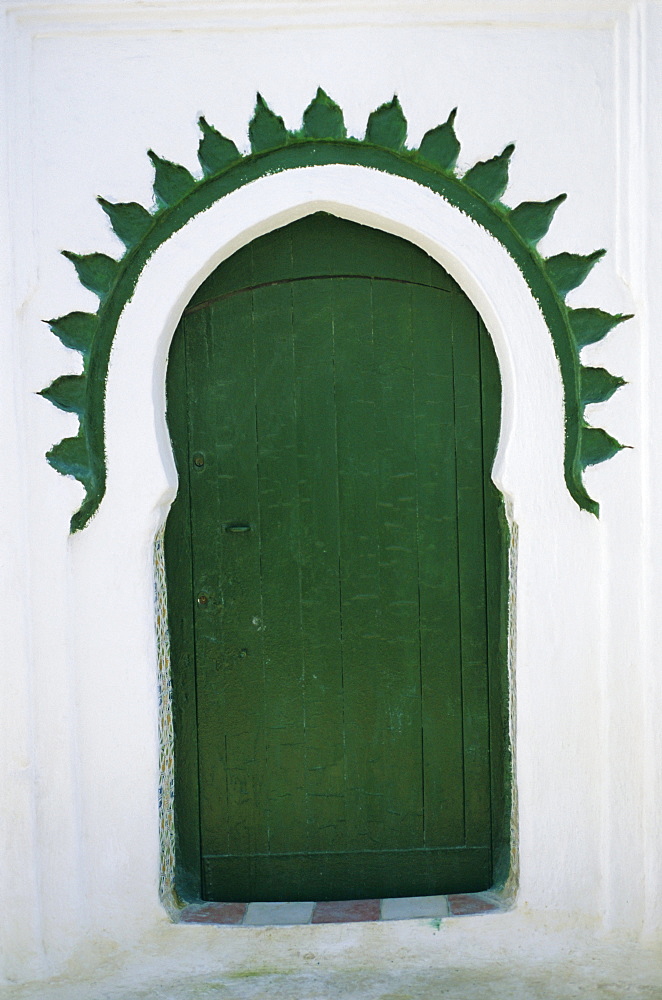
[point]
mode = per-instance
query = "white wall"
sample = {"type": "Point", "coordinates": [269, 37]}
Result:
{"type": "Point", "coordinates": [87, 89]}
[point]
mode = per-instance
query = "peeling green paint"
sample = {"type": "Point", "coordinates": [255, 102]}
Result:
{"type": "Point", "coordinates": [179, 196]}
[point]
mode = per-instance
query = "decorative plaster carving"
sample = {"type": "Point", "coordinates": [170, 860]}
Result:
{"type": "Point", "coordinates": [322, 139]}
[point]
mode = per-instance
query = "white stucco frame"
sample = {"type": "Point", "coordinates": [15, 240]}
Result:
{"type": "Point", "coordinates": [475, 259]}
{"type": "Point", "coordinates": [528, 470]}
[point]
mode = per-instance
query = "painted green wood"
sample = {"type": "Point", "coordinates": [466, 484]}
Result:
{"type": "Point", "coordinates": [179, 566]}
{"type": "Point", "coordinates": [398, 648]}
{"type": "Point", "coordinates": [337, 496]}
{"type": "Point", "coordinates": [321, 621]}
{"type": "Point", "coordinates": [438, 569]}
{"type": "Point", "coordinates": [280, 557]}
{"type": "Point", "coordinates": [227, 572]}
{"type": "Point", "coordinates": [471, 562]}
{"type": "Point", "coordinates": [378, 727]}
{"type": "Point", "coordinates": [348, 874]}
{"type": "Point", "coordinates": [497, 596]}
{"type": "Point", "coordinates": [295, 251]}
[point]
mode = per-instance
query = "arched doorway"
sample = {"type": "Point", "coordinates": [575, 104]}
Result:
{"type": "Point", "coordinates": [335, 562]}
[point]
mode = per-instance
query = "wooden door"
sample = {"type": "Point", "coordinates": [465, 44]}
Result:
{"type": "Point", "coordinates": [333, 401]}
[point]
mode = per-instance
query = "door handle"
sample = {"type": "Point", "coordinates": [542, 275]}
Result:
{"type": "Point", "coordinates": [237, 529]}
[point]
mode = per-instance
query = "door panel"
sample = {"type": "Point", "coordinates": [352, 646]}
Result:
{"type": "Point", "coordinates": [333, 440]}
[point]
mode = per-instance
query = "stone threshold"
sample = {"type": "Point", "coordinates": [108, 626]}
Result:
{"type": "Point", "coordinates": [342, 911]}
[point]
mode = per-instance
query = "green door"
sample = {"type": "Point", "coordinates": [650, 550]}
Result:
{"type": "Point", "coordinates": [334, 558]}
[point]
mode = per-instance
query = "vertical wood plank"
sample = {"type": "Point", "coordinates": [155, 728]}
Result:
{"type": "Point", "coordinates": [441, 653]}
{"type": "Point", "coordinates": [356, 402]}
{"type": "Point", "coordinates": [320, 584]}
{"type": "Point", "coordinates": [271, 256]}
{"type": "Point", "coordinates": [227, 569]}
{"type": "Point", "coordinates": [280, 620]}
{"type": "Point", "coordinates": [396, 653]}
{"type": "Point", "coordinates": [471, 540]}
{"type": "Point", "coordinates": [496, 584]}
{"type": "Point", "coordinates": [178, 556]}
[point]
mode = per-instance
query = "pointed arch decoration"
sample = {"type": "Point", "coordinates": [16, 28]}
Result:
{"type": "Point", "coordinates": [322, 139]}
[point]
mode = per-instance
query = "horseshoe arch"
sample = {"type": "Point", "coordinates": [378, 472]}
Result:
{"type": "Point", "coordinates": [322, 141]}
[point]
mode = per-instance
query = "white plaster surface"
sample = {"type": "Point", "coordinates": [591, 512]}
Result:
{"type": "Point", "coordinates": [542, 982]}
{"type": "Point", "coordinates": [453, 960]}
{"type": "Point", "coordinates": [86, 89]}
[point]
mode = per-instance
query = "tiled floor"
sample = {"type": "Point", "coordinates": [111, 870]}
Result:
{"type": "Point", "coordinates": [341, 911]}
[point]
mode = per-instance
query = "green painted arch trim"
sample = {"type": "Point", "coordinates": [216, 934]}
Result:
{"type": "Point", "coordinates": [322, 140]}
